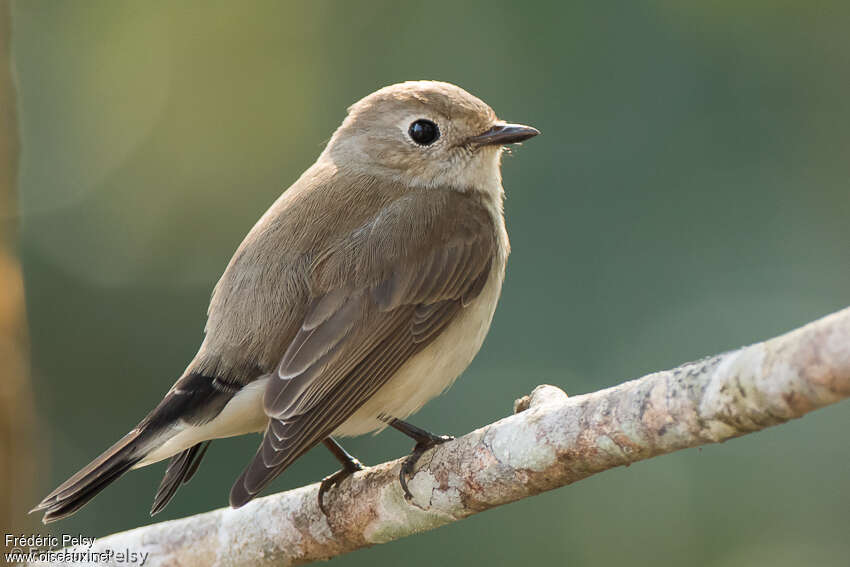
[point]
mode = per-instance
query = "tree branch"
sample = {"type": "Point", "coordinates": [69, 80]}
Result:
{"type": "Point", "coordinates": [552, 441]}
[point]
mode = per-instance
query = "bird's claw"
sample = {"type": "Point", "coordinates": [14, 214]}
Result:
{"type": "Point", "coordinates": [332, 480]}
{"type": "Point", "coordinates": [411, 460]}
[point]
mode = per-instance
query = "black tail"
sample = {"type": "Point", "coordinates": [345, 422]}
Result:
{"type": "Point", "coordinates": [180, 469]}
{"type": "Point", "coordinates": [195, 399]}
{"type": "Point", "coordinates": [75, 492]}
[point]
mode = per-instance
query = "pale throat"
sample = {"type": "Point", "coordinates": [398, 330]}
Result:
{"type": "Point", "coordinates": [479, 172]}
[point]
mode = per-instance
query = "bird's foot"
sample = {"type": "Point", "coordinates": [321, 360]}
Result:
{"type": "Point", "coordinates": [350, 465]}
{"type": "Point", "coordinates": [421, 446]}
{"type": "Point", "coordinates": [424, 441]}
{"type": "Point", "coordinates": [348, 469]}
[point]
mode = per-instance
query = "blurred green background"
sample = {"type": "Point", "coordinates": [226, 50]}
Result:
{"type": "Point", "coordinates": [690, 193]}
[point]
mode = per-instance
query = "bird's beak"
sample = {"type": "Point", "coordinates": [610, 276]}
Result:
{"type": "Point", "coordinates": [503, 134]}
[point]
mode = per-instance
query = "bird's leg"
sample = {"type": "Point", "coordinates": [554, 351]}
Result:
{"type": "Point", "coordinates": [350, 465]}
{"type": "Point", "coordinates": [424, 441]}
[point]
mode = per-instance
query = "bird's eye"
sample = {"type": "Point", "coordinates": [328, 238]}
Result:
{"type": "Point", "coordinates": [424, 132]}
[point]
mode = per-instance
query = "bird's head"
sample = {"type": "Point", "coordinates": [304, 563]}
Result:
{"type": "Point", "coordinates": [424, 134]}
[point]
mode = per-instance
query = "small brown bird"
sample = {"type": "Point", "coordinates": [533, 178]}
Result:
{"type": "Point", "coordinates": [362, 293]}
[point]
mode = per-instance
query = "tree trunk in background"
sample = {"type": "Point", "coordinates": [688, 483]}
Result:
{"type": "Point", "coordinates": [16, 418]}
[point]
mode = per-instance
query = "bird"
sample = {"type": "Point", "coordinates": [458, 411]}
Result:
{"type": "Point", "coordinates": [363, 292]}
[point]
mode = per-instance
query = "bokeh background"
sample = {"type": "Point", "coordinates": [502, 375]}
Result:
{"type": "Point", "coordinates": [690, 193]}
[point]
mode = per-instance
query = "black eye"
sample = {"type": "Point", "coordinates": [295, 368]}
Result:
{"type": "Point", "coordinates": [424, 132]}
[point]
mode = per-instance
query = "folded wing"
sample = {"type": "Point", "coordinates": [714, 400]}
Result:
{"type": "Point", "coordinates": [385, 293]}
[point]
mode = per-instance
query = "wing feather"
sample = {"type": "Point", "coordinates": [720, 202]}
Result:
{"type": "Point", "coordinates": [357, 333]}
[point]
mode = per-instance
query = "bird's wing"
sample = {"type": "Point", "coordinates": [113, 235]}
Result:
{"type": "Point", "coordinates": [387, 292]}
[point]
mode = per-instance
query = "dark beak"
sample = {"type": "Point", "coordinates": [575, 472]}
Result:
{"type": "Point", "coordinates": [501, 134]}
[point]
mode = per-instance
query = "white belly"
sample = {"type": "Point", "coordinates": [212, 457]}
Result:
{"type": "Point", "coordinates": [435, 368]}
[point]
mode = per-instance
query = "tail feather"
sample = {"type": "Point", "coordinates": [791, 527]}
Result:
{"type": "Point", "coordinates": [64, 508]}
{"type": "Point", "coordinates": [180, 469]}
{"type": "Point", "coordinates": [195, 400]}
{"type": "Point", "coordinates": [75, 492]}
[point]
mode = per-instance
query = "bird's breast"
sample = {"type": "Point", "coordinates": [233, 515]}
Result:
{"type": "Point", "coordinates": [428, 373]}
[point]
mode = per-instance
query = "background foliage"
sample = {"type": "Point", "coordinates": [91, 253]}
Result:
{"type": "Point", "coordinates": [689, 194]}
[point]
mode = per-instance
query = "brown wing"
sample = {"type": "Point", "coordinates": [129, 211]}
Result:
{"type": "Point", "coordinates": [397, 298]}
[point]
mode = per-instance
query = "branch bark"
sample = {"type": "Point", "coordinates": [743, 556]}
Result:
{"type": "Point", "coordinates": [550, 442]}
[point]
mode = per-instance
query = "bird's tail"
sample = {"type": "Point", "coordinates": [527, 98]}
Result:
{"type": "Point", "coordinates": [194, 400]}
{"type": "Point", "coordinates": [75, 492]}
